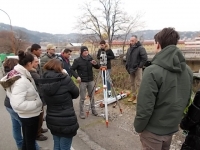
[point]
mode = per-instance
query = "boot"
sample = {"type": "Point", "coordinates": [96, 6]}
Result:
{"type": "Point", "coordinates": [94, 112]}
{"type": "Point", "coordinates": [133, 98]}
{"type": "Point", "coordinates": [82, 114]}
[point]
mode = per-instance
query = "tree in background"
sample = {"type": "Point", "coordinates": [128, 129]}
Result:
{"type": "Point", "coordinates": [105, 19]}
{"type": "Point", "coordinates": [8, 42]}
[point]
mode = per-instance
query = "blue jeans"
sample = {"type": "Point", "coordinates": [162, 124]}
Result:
{"type": "Point", "coordinates": [17, 128]}
{"type": "Point", "coordinates": [108, 79]}
{"type": "Point", "coordinates": [62, 143]}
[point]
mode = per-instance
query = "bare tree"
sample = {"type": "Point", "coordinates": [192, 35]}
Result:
{"type": "Point", "coordinates": [106, 21]}
{"type": "Point", "coordinates": [8, 42]}
{"type": "Point", "coordinates": [132, 23]}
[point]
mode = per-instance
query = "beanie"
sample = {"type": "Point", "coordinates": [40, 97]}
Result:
{"type": "Point", "coordinates": [83, 48]}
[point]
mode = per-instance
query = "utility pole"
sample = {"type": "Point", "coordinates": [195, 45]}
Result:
{"type": "Point", "coordinates": [12, 39]}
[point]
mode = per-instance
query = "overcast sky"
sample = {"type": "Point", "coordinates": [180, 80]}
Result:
{"type": "Point", "coordinates": [59, 16]}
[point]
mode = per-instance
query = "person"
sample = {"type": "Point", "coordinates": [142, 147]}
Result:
{"type": "Point", "coordinates": [58, 91]}
{"type": "Point", "coordinates": [64, 57]}
{"type": "Point", "coordinates": [83, 65]}
{"type": "Point", "coordinates": [191, 123]}
{"type": "Point", "coordinates": [24, 99]}
{"type": "Point", "coordinates": [110, 55]}
{"type": "Point", "coordinates": [49, 55]}
{"type": "Point", "coordinates": [136, 57]}
{"type": "Point", "coordinates": [164, 93]}
{"type": "Point", "coordinates": [36, 73]}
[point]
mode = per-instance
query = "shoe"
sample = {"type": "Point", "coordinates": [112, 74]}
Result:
{"type": "Point", "coordinates": [132, 99]}
{"type": "Point", "coordinates": [94, 112]}
{"type": "Point", "coordinates": [44, 130]}
{"type": "Point", "coordinates": [41, 138]}
{"type": "Point", "coordinates": [82, 115]}
{"type": "Point", "coordinates": [135, 101]}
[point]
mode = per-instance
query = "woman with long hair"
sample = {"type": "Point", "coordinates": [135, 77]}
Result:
{"type": "Point", "coordinates": [24, 99]}
{"type": "Point", "coordinates": [58, 92]}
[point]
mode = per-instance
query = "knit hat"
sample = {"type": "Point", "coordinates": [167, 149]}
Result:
{"type": "Point", "coordinates": [83, 48]}
{"type": "Point", "coordinates": [103, 42]}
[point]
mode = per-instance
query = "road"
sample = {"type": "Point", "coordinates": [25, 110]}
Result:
{"type": "Point", "coordinates": [6, 140]}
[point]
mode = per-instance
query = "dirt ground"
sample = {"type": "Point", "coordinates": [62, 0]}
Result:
{"type": "Point", "coordinates": [120, 135]}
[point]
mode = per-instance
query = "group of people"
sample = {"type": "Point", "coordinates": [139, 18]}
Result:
{"type": "Point", "coordinates": [161, 93]}
{"type": "Point", "coordinates": [33, 81]}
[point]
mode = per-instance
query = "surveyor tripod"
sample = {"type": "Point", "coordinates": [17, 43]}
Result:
{"type": "Point", "coordinates": [105, 78]}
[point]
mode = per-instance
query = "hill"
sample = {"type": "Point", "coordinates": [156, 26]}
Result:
{"type": "Point", "coordinates": [37, 37]}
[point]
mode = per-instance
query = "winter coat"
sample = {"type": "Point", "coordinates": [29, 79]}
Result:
{"type": "Point", "coordinates": [66, 65]}
{"type": "Point", "coordinates": [83, 67]}
{"type": "Point", "coordinates": [110, 55]}
{"type": "Point", "coordinates": [191, 122]}
{"type": "Point", "coordinates": [44, 59]}
{"type": "Point", "coordinates": [164, 93]}
{"type": "Point", "coordinates": [136, 57]}
{"type": "Point", "coordinates": [21, 90]}
{"type": "Point", "coordinates": [36, 76]}
{"type": "Point", "coordinates": [58, 91]}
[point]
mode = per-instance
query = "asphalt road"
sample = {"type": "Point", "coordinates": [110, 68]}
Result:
{"type": "Point", "coordinates": [6, 140]}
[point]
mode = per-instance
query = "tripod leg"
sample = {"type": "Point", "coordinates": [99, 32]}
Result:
{"type": "Point", "coordinates": [115, 95]}
{"type": "Point", "coordinates": [105, 94]}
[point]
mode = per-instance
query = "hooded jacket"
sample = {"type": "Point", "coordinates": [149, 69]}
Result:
{"type": "Point", "coordinates": [21, 90]}
{"type": "Point", "coordinates": [136, 57]}
{"type": "Point", "coordinates": [58, 91]}
{"type": "Point", "coordinates": [164, 93]}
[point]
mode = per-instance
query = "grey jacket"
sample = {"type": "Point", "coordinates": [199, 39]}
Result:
{"type": "Point", "coordinates": [136, 57]}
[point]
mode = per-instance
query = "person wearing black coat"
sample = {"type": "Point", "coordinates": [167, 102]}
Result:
{"type": "Point", "coordinates": [84, 65]}
{"type": "Point", "coordinates": [58, 92]}
{"type": "Point", "coordinates": [191, 123]}
{"type": "Point", "coordinates": [110, 55]}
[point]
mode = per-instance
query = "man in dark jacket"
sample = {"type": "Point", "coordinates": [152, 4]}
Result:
{"type": "Point", "coordinates": [110, 55]}
{"type": "Point", "coordinates": [164, 93]}
{"type": "Point", "coordinates": [136, 57]}
{"type": "Point", "coordinates": [83, 65]}
{"type": "Point", "coordinates": [64, 57]}
{"type": "Point", "coordinates": [35, 75]}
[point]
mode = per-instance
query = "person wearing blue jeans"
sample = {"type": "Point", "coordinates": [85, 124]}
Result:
{"type": "Point", "coordinates": [104, 47]}
{"type": "Point", "coordinates": [62, 143]}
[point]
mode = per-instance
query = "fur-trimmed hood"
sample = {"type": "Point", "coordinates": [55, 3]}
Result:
{"type": "Point", "coordinates": [6, 83]}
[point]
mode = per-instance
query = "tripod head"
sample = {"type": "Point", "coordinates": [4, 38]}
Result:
{"type": "Point", "coordinates": [103, 58]}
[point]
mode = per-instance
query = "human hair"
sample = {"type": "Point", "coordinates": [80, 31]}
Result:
{"type": "Point", "coordinates": [134, 36]}
{"type": "Point", "coordinates": [25, 58]}
{"type": "Point", "coordinates": [35, 47]}
{"type": "Point", "coordinates": [9, 64]}
{"type": "Point", "coordinates": [54, 64]}
{"type": "Point", "coordinates": [155, 38]}
{"type": "Point", "coordinates": [67, 50]}
{"type": "Point", "coordinates": [167, 36]}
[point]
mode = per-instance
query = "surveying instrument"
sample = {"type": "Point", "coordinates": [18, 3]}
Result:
{"type": "Point", "coordinates": [105, 78]}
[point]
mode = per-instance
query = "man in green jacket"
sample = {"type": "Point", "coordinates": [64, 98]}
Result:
{"type": "Point", "coordinates": [164, 93]}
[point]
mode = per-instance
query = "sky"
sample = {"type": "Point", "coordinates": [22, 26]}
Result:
{"type": "Point", "coordinates": [60, 16]}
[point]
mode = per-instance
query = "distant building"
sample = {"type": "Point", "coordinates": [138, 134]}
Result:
{"type": "Point", "coordinates": [193, 45]}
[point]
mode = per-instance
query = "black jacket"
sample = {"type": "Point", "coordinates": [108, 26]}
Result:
{"type": "Point", "coordinates": [191, 122]}
{"type": "Point", "coordinates": [110, 55]}
{"type": "Point", "coordinates": [84, 68]}
{"type": "Point", "coordinates": [66, 65]}
{"type": "Point", "coordinates": [136, 57]}
{"type": "Point", "coordinates": [58, 91]}
{"type": "Point", "coordinates": [7, 100]}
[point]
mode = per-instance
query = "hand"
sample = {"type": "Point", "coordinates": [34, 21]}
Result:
{"type": "Point", "coordinates": [78, 80]}
{"type": "Point", "coordinates": [93, 62]}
